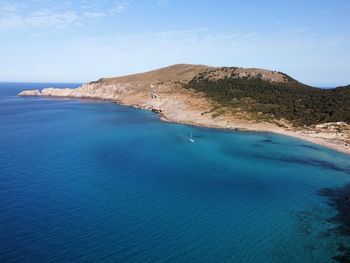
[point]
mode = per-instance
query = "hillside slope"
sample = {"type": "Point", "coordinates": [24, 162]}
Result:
{"type": "Point", "coordinates": [289, 99]}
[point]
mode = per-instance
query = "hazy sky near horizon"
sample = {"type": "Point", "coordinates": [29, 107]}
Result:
{"type": "Point", "coordinates": [79, 41]}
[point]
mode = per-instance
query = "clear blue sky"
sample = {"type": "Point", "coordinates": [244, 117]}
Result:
{"type": "Point", "coordinates": [78, 41]}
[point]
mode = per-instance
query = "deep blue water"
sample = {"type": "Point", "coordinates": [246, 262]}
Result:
{"type": "Point", "coordinates": [89, 181]}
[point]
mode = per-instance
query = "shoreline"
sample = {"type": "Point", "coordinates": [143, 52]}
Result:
{"type": "Point", "coordinates": [284, 133]}
{"type": "Point", "coordinates": [301, 135]}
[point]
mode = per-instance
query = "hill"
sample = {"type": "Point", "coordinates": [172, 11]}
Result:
{"type": "Point", "coordinates": [229, 97]}
{"type": "Point", "coordinates": [264, 93]}
{"type": "Point", "coordinates": [288, 99]}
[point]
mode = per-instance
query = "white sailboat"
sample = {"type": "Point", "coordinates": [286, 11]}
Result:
{"type": "Point", "coordinates": [191, 138]}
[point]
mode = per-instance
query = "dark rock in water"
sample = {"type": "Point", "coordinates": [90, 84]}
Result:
{"type": "Point", "coordinates": [342, 247]}
{"type": "Point", "coordinates": [309, 161]}
{"type": "Point", "coordinates": [342, 258]}
{"type": "Point", "coordinates": [310, 146]}
{"type": "Point", "coordinates": [267, 140]}
{"type": "Point", "coordinates": [339, 199]}
{"type": "Point", "coordinates": [156, 111]}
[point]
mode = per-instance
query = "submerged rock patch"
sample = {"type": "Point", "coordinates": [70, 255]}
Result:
{"type": "Point", "coordinates": [339, 199]}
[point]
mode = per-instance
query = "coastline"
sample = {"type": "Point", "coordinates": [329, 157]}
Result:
{"type": "Point", "coordinates": [310, 135]}
{"type": "Point", "coordinates": [318, 141]}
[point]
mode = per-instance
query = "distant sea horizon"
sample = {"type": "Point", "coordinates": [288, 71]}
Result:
{"type": "Point", "coordinates": [93, 181]}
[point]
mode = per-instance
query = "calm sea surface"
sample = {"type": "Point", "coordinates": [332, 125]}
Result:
{"type": "Point", "coordinates": [89, 181]}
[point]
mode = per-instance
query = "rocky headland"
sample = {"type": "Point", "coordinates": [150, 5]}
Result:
{"type": "Point", "coordinates": [172, 93]}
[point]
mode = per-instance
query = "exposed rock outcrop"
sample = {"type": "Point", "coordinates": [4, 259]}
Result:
{"type": "Point", "coordinates": [34, 92]}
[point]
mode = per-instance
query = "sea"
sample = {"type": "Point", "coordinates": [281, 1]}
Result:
{"type": "Point", "coordinates": [93, 181]}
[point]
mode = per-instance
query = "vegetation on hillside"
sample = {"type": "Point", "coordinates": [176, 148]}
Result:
{"type": "Point", "coordinates": [291, 100]}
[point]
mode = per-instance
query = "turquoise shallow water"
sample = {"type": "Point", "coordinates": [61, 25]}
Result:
{"type": "Point", "coordinates": [85, 181]}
